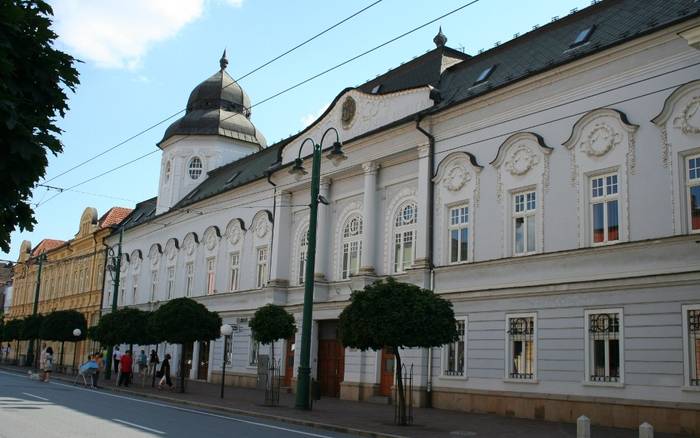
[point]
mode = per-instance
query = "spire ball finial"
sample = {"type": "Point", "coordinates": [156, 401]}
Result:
{"type": "Point", "coordinates": [223, 62]}
{"type": "Point", "coordinates": [440, 39]}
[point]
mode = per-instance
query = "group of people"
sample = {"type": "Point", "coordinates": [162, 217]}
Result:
{"type": "Point", "coordinates": [124, 364]}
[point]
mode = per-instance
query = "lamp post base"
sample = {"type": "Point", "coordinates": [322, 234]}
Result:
{"type": "Point", "coordinates": [303, 387]}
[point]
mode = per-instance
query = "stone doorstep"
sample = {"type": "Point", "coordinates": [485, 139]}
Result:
{"type": "Point", "coordinates": [256, 414]}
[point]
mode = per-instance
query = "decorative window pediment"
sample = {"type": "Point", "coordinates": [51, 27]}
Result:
{"type": "Point", "coordinates": [135, 260]}
{"type": "Point", "coordinates": [171, 248]}
{"type": "Point", "coordinates": [234, 231]}
{"type": "Point", "coordinates": [189, 244]}
{"type": "Point", "coordinates": [211, 238]}
{"type": "Point", "coordinates": [154, 254]}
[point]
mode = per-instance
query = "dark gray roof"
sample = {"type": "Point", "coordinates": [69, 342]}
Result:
{"type": "Point", "coordinates": [549, 46]}
{"type": "Point", "coordinates": [143, 212]}
{"type": "Point", "coordinates": [217, 106]}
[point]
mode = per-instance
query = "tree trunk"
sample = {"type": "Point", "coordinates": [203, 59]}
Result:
{"type": "Point", "coordinates": [400, 388]}
{"type": "Point", "coordinates": [182, 368]}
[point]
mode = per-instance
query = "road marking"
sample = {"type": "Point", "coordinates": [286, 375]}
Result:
{"type": "Point", "coordinates": [35, 396]}
{"type": "Point", "coordinates": [193, 411]}
{"type": "Point", "coordinates": [139, 426]}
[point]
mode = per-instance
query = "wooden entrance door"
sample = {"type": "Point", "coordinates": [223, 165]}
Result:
{"type": "Point", "coordinates": [387, 370]}
{"type": "Point", "coordinates": [289, 362]}
{"type": "Point", "coordinates": [331, 359]}
{"type": "Point", "coordinates": [203, 360]}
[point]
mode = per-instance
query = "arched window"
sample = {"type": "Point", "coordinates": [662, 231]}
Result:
{"type": "Point", "coordinates": [303, 251]}
{"type": "Point", "coordinates": [352, 246]}
{"type": "Point", "coordinates": [195, 168]}
{"type": "Point", "coordinates": [404, 236]}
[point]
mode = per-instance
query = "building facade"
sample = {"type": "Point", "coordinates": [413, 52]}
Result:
{"type": "Point", "coordinates": [548, 187]}
{"type": "Point", "coordinates": [71, 277]}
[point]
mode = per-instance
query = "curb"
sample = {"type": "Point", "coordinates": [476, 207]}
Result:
{"type": "Point", "coordinates": [256, 414]}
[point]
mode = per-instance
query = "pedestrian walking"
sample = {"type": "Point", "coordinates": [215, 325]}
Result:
{"type": "Point", "coordinates": [153, 361]}
{"type": "Point", "coordinates": [100, 366]}
{"type": "Point", "coordinates": [143, 366]}
{"type": "Point", "coordinates": [116, 357]}
{"type": "Point", "coordinates": [164, 373]}
{"type": "Point", "coordinates": [48, 363]}
{"type": "Point", "coordinates": [125, 365]}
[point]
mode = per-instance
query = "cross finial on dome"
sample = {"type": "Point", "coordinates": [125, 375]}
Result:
{"type": "Point", "coordinates": [440, 39]}
{"type": "Point", "coordinates": [223, 62]}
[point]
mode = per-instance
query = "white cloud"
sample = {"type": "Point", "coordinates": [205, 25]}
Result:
{"type": "Point", "coordinates": [118, 34]}
{"type": "Point", "coordinates": [309, 118]}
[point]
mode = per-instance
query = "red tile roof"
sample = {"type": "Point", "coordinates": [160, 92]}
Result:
{"type": "Point", "coordinates": [46, 245]}
{"type": "Point", "coordinates": [114, 216]}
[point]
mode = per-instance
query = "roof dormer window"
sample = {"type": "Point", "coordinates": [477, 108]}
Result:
{"type": "Point", "coordinates": [583, 36]}
{"type": "Point", "coordinates": [376, 89]}
{"type": "Point", "coordinates": [485, 74]}
{"type": "Point", "coordinates": [195, 168]}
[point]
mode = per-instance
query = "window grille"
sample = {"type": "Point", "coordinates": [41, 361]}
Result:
{"type": "Point", "coordinates": [694, 340]}
{"type": "Point", "coordinates": [521, 336]}
{"type": "Point", "coordinates": [454, 355]}
{"type": "Point", "coordinates": [604, 333]}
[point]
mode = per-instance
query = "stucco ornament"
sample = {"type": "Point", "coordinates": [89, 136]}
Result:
{"type": "Point", "coordinates": [521, 160]}
{"type": "Point", "coordinates": [210, 240]}
{"type": "Point", "coordinates": [689, 120]}
{"type": "Point", "coordinates": [261, 228]}
{"type": "Point", "coordinates": [170, 250]}
{"type": "Point", "coordinates": [600, 140]}
{"type": "Point", "coordinates": [348, 111]}
{"type": "Point", "coordinates": [234, 233]}
{"type": "Point", "coordinates": [135, 263]}
{"type": "Point", "coordinates": [154, 256]}
{"type": "Point", "coordinates": [189, 245]}
{"type": "Point", "coordinates": [456, 177]}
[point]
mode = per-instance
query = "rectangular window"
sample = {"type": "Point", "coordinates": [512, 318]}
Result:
{"type": "Point", "coordinates": [303, 247]}
{"type": "Point", "coordinates": [211, 275]}
{"type": "Point", "coordinates": [691, 347]}
{"type": "Point", "coordinates": [605, 208]}
{"type": "Point", "coordinates": [521, 347]}
{"type": "Point", "coordinates": [154, 285]}
{"type": "Point", "coordinates": [253, 351]}
{"type": "Point", "coordinates": [228, 345]}
{"type": "Point", "coordinates": [604, 344]}
{"type": "Point", "coordinates": [235, 269]}
{"type": "Point", "coordinates": [455, 353]}
{"type": "Point", "coordinates": [189, 278]}
{"type": "Point", "coordinates": [134, 289]}
{"type": "Point", "coordinates": [171, 282]}
{"type": "Point", "coordinates": [458, 229]}
{"type": "Point", "coordinates": [122, 292]}
{"type": "Point", "coordinates": [403, 251]}
{"type": "Point", "coordinates": [693, 183]}
{"type": "Point", "coordinates": [524, 210]}
{"type": "Point", "coordinates": [261, 273]}
{"type": "Point", "coordinates": [352, 252]}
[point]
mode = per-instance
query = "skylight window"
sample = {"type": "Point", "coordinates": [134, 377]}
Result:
{"type": "Point", "coordinates": [583, 36]}
{"type": "Point", "coordinates": [233, 177]}
{"type": "Point", "coordinates": [376, 89]}
{"type": "Point", "coordinates": [484, 75]}
{"type": "Point", "coordinates": [191, 195]}
{"type": "Point", "coordinates": [138, 216]}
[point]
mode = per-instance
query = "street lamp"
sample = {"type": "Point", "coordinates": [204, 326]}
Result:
{"type": "Point", "coordinates": [76, 332]}
{"type": "Point", "coordinates": [336, 155]}
{"type": "Point", "coordinates": [114, 269]}
{"type": "Point", "coordinates": [226, 331]}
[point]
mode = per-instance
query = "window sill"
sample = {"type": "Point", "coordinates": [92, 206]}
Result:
{"type": "Point", "coordinates": [444, 377]}
{"type": "Point", "coordinates": [526, 381]}
{"type": "Point", "coordinates": [612, 242]}
{"type": "Point", "coordinates": [604, 384]}
{"type": "Point", "coordinates": [687, 388]}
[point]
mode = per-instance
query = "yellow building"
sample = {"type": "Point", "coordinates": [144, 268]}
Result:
{"type": "Point", "coordinates": [72, 276]}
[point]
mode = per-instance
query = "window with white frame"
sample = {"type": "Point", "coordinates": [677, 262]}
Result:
{"type": "Point", "coordinates": [303, 251]}
{"type": "Point", "coordinates": [604, 345]}
{"type": "Point", "coordinates": [454, 353]}
{"type": "Point", "coordinates": [521, 347]}
{"type": "Point", "coordinates": [211, 275]}
{"type": "Point", "coordinates": [154, 285]}
{"type": "Point", "coordinates": [122, 292]}
{"type": "Point", "coordinates": [261, 272]}
{"type": "Point", "coordinates": [234, 266]}
{"type": "Point", "coordinates": [171, 282]}
{"type": "Point", "coordinates": [691, 326]}
{"type": "Point", "coordinates": [134, 289]}
{"type": "Point", "coordinates": [404, 236]}
{"type": "Point", "coordinates": [693, 185]}
{"type": "Point", "coordinates": [228, 346]}
{"type": "Point", "coordinates": [605, 208]}
{"type": "Point", "coordinates": [189, 278]}
{"type": "Point", "coordinates": [458, 229]}
{"type": "Point", "coordinates": [253, 349]}
{"type": "Point", "coordinates": [352, 246]}
{"type": "Point", "coordinates": [524, 210]}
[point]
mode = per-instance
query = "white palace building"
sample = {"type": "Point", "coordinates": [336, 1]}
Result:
{"type": "Point", "coordinates": [548, 187]}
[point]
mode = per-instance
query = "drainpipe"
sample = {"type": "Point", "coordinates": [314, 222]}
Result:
{"type": "Point", "coordinates": [274, 214]}
{"type": "Point", "coordinates": [431, 209]}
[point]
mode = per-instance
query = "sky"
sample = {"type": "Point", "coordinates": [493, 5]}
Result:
{"type": "Point", "coordinates": [140, 59]}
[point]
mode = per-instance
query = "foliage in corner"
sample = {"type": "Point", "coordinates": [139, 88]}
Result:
{"type": "Point", "coordinates": [272, 323]}
{"type": "Point", "coordinates": [125, 326]}
{"type": "Point", "coordinates": [34, 78]}
{"type": "Point", "coordinates": [183, 320]}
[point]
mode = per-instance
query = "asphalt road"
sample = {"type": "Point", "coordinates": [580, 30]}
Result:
{"type": "Point", "coordinates": [29, 408]}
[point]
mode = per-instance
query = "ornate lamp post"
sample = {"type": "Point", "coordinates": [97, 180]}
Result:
{"type": "Point", "coordinates": [35, 309]}
{"type": "Point", "coordinates": [115, 273]}
{"type": "Point", "coordinates": [77, 332]}
{"type": "Point", "coordinates": [336, 155]}
{"type": "Point", "coordinates": [226, 331]}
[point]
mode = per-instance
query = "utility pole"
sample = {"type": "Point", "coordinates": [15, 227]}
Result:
{"type": "Point", "coordinates": [117, 275]}
{"type": "Point", "coordinates": [30, 350]}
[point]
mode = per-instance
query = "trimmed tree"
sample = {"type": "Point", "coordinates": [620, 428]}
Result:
{"type": "Point", "coordinates": [184, 321]}
{"type": "Point", "coordinates": [397, 315]}
{"type": "Point", "coordinates": [31, 331]}
{"type": "Point", "coordinates": [124, 326]}
{"type": "Point", "coordinates": [272, 323]}
{"type": "Point", "coordinates": [59, 325]}
{"type": "Point", "coordinates": [13, 332]}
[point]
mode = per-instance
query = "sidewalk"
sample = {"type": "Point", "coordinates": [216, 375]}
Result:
{"type": "Point", "coordinates": [365, 419]}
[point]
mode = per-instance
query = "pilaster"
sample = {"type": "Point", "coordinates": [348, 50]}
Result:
{"type": "Point", "coordinates": [279, 267]}
{"type": "Point", "coordinates": [369, 244]}
{"type": "Point", "coordinates": [323, 240]}
{"type": "Point", "coordinates": [424, 181]}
